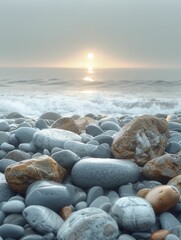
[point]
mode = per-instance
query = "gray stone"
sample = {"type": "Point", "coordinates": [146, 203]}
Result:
{"type": "Point", "coordinates": [80, 205]}
{"type": "Point", "coordinates": [174, 126]}
{"type": "Point", "coordinates": [108, 119]}
{"type": "Point", "coordinates": [48, 194]}
{"type": "Point", "coordinates": [13, 206]}
{"type": "Point", "coordinates": [88, 223]}
{"type": "Point", "coordinates": [33, 237]}
{"type": "Point", "coordinates": [126, 237]}
{"type": "Point", "coordinates": [18, 155]}
{"type": "Point", "coordinates": [25, 134]}
{"type": "Point", "coordinates": [168, 221]}
{"type": "Point", "coordinates": [101, 152]}
{"type": "Point", "coordinates": [112, 195]}
{"type": "Point", "coordinates": [142, 235]}
{"type": "Point", "coordinates": [76, 194]}
{"type": "Point", "coordinates": [107, 173]}
{"type": "Point", "coordinates": [93, 142]}
{"type": "Point", "coordinates": [93, 130]}
{"type": "Point", "coordinates": [4, 137]}
{"type": "Point", "coordinates": [11, 231]}
{"type": "Point", "coordinates": [42, 219]}
{"type": "Point", "coordinates": [2, 217]}
{"type": "Point", "coordinates": [41, 124]}
{"type": "Point", "coordinates": [50, 115]}
{"type": "Point", "coordinates": [151, 184]}
{"type": "Point", "coordinates": [133, 213]}
{"type": "Point", "coordinates": [50, 138]}
{"type": "Point", "coordinates": [13, 140]}
{"type": "Point", "coordinates": [94, 193]}
{"type": "Point", "coordinates": [7, 147]}
{"type": "Point", "coordinates": [86, 137]}
{"type": "Point", "coordinates": [2, 178]}
{"type": "Point", "coordinates": [66, 158]}
{"type": "Point", "coordinates": [110, 133]}
{"type": "Point", "coordinates": [103, 138]}
{"type": "Point", "coordinates": [56, 149]}
{"type": "Point", "coordinates": [126, 190]}
{"type": "Point", "coordinates": [81, 149]}
{"type": "Point", "coordinates": [102, 202]}
{"type": "Point", "coordinates": [6, 192]}
{"type": "Point", "coordinates": [16, 219]}
{"type": "Point", "coordinates": [46, 152]}
{"type": "Point", "coordinates": [173, 147]}
{"type": "Point", "coordinates": [2, 154]}
{"type": "Point", "coordinates": [175, 137]}
{"type": "Point", "coordinates": [4, 125]}
{"type": "Point", "coordinates": [171, 237]}
{"type": "Point", "coordinates": [108, 125]}
{"type": "Point", "coordinates": [28, 147]}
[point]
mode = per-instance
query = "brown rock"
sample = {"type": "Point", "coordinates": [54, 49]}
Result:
{"type": "Point", "coordinates": [84, 121]}
{"type": "Point", "coordinates": [66, 123]}
{"type": "Point", "coordinates": [163, 168]}
{"type": "Point", "coordinates": [163, 197]}
{"type": "Point", "coordinates": [65, 212]}
{"type": "Point", "coordinates": [142, 139]}
{"type": "Point", "coordinates": [159, 235]}
{"type": "Point", "coordinates": [142, 192]}
{"type": "Point", "coordinates": [20, 175]}
{"type": "Point", "coordinates": [176, 182]}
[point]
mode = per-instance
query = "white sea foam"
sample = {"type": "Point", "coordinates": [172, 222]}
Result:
{"type": "Point", "coordinates": [97, 103]}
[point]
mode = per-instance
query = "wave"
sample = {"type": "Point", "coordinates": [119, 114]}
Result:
{"type": "Point", "coordinates": [83, 103]}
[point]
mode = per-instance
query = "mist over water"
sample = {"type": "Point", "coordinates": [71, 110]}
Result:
{"type": "Point", "coordinates": [32, 91]}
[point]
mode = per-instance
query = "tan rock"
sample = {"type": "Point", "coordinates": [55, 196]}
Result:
{"type": "Point", "coordinates": [159, 235]}
{"type": "Point", "coordinates": [84, 121]}
{"type": "Point", "coordinates": [163, 197]}
{"type": "Point", "coordinates": [176, 182]}
{"type": "Point", "coordinates": [65, 212]}
{"type": "Point", "coordinates": [142, 192]}
{"type": "Point", "coordinates": [66, 123]}
{"type": "Point", "coordinates": [142, 139]}
{"type": "Point", "coordinates": [20, 175]}
{"type": "Point", "coordinates": [163, 168]}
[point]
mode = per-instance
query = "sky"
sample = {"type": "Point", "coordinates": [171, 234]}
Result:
{"type": "Point", "coordinates": [120, 33]}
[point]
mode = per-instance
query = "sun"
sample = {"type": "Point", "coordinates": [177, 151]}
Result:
{"type": "Point", "coordinates": [90, 55]}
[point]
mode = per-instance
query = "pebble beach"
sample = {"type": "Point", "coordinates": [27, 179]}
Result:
{"type": "Point", "coordinates": [90, 177]}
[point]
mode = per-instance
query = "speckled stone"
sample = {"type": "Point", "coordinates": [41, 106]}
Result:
{"type": "Point", "coordinates": [88, 223]}
{"type": "Point", "coordinates": [142, 139]}
{"type": "Point", "coordinates": [163, 198]}
{"type": "Point", "coordinates": [20, 175]}
{"type": "Point", "coordinates": [48, 194]}
{"type": "Point", "coordinates": [133, 213]}
{"type": "Point", "coordinates": [159, 235]}
{"type": "Point", "coordinates": [163, 168]}
{"type": "Point", "coordinates": [50, 138]}
{"type": "Point", "coordinates": [107, 173]}
{"type": "Point", "coordinates": [43, 219]}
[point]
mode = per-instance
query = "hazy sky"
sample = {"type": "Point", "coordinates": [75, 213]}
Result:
{"type": "Point", "coordinates": [132, 33]}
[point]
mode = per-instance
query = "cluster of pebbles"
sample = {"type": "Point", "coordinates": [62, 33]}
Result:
{"type": "Point", "coordinates": [90, 178]}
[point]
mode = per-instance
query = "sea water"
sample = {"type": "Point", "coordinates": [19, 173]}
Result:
{"type": "Point", "coordinates": [116, 92]}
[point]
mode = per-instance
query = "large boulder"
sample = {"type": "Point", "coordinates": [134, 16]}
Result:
{"type": "Point", "coordinates": [142, 139]}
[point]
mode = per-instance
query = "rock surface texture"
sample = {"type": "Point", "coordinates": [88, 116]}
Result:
{"type": "Point", "coordinates": [142, 139]}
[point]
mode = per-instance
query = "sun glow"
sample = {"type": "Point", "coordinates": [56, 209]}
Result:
{"type": "Point", "coordinates": [88, 79]}
{"type": "Point", "coordinates": [90, 56]}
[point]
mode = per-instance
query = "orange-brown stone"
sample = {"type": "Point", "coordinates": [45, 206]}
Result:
{"type": "Point", "coordinates": [65, 212]}
{"type": "Point", "coordinates": [84, 121]}
{"type": "Point", "coordinates": [142, 139]}
{"type": "Point", "coordinates": [20, 175]}
{"type": "Point", "coordinates": [159, 235]}
{"type": "Point", "coordinates": [66, 123]}
{"type": "Point", "coordinates": [163, 197]}
{"type": "Point", "coordinates": [176, 182]}
{"type": "Point", "coordinates": [142, 192]}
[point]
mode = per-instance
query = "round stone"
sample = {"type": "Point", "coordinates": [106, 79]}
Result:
{"type": "Point", "coordinates": [89, 223]}
{"type": "Point", "coordinates": [133, 213]}
{"type": "Point", "coordinates": [163, 197]}
{"type": "Point", "coordinates": [107, 173]}
{"type": "Point", "coordinates": [25, 134]}
{"type": "Point", "coordinates": [13, 206]}
{"type": "Point", "coordinates": [11, 231]}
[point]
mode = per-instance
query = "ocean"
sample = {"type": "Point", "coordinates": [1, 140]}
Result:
{"type": "Point", "coordinates": [68, 91]}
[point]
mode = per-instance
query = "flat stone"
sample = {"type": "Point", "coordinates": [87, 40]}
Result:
{"type": "Point", "coordinates": [50, 138]}
{"type": "Point", "coordinates": [133, 213]}
{"type": "Point", "coordinates": [107, 173]}
{"type": "Point", "coordinates": [33, 237]}
{"type": "Point", "coordinates": [89, 223]}
{"type": "Point", "coordinates": [66, 123]}
{"type": "Point", "coordinates": [66, 158]}
{"type": "Point", "coordinates": [16, 219]}
{"type": "Point", "coordinates": [163, 198]}
{"type": "Point", "coordinates": [13, 206]}
{"type": "Point", "coordinates": [81, 149]}
{"type": "Point", "coordinates": [142, 139]}
{"type": "Point", "coordinates": [42, 219]}
{"type": "Point", "coordinates": [11, 231]}
{"type": "Point", "coordinates": [25, 134]}
{"type": "Point", "coordinates": [168, 221]}
{"type": "Point", "coordinates": [20, 175]}
{"type": "Point", "coordinates": [48, 194]}
{"type": "Point", "coordinates": [159, 235]}
{"type": "Point", "coordinates": [163, 168]}
{"type": "Point", "coordinates": [174, 126]}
